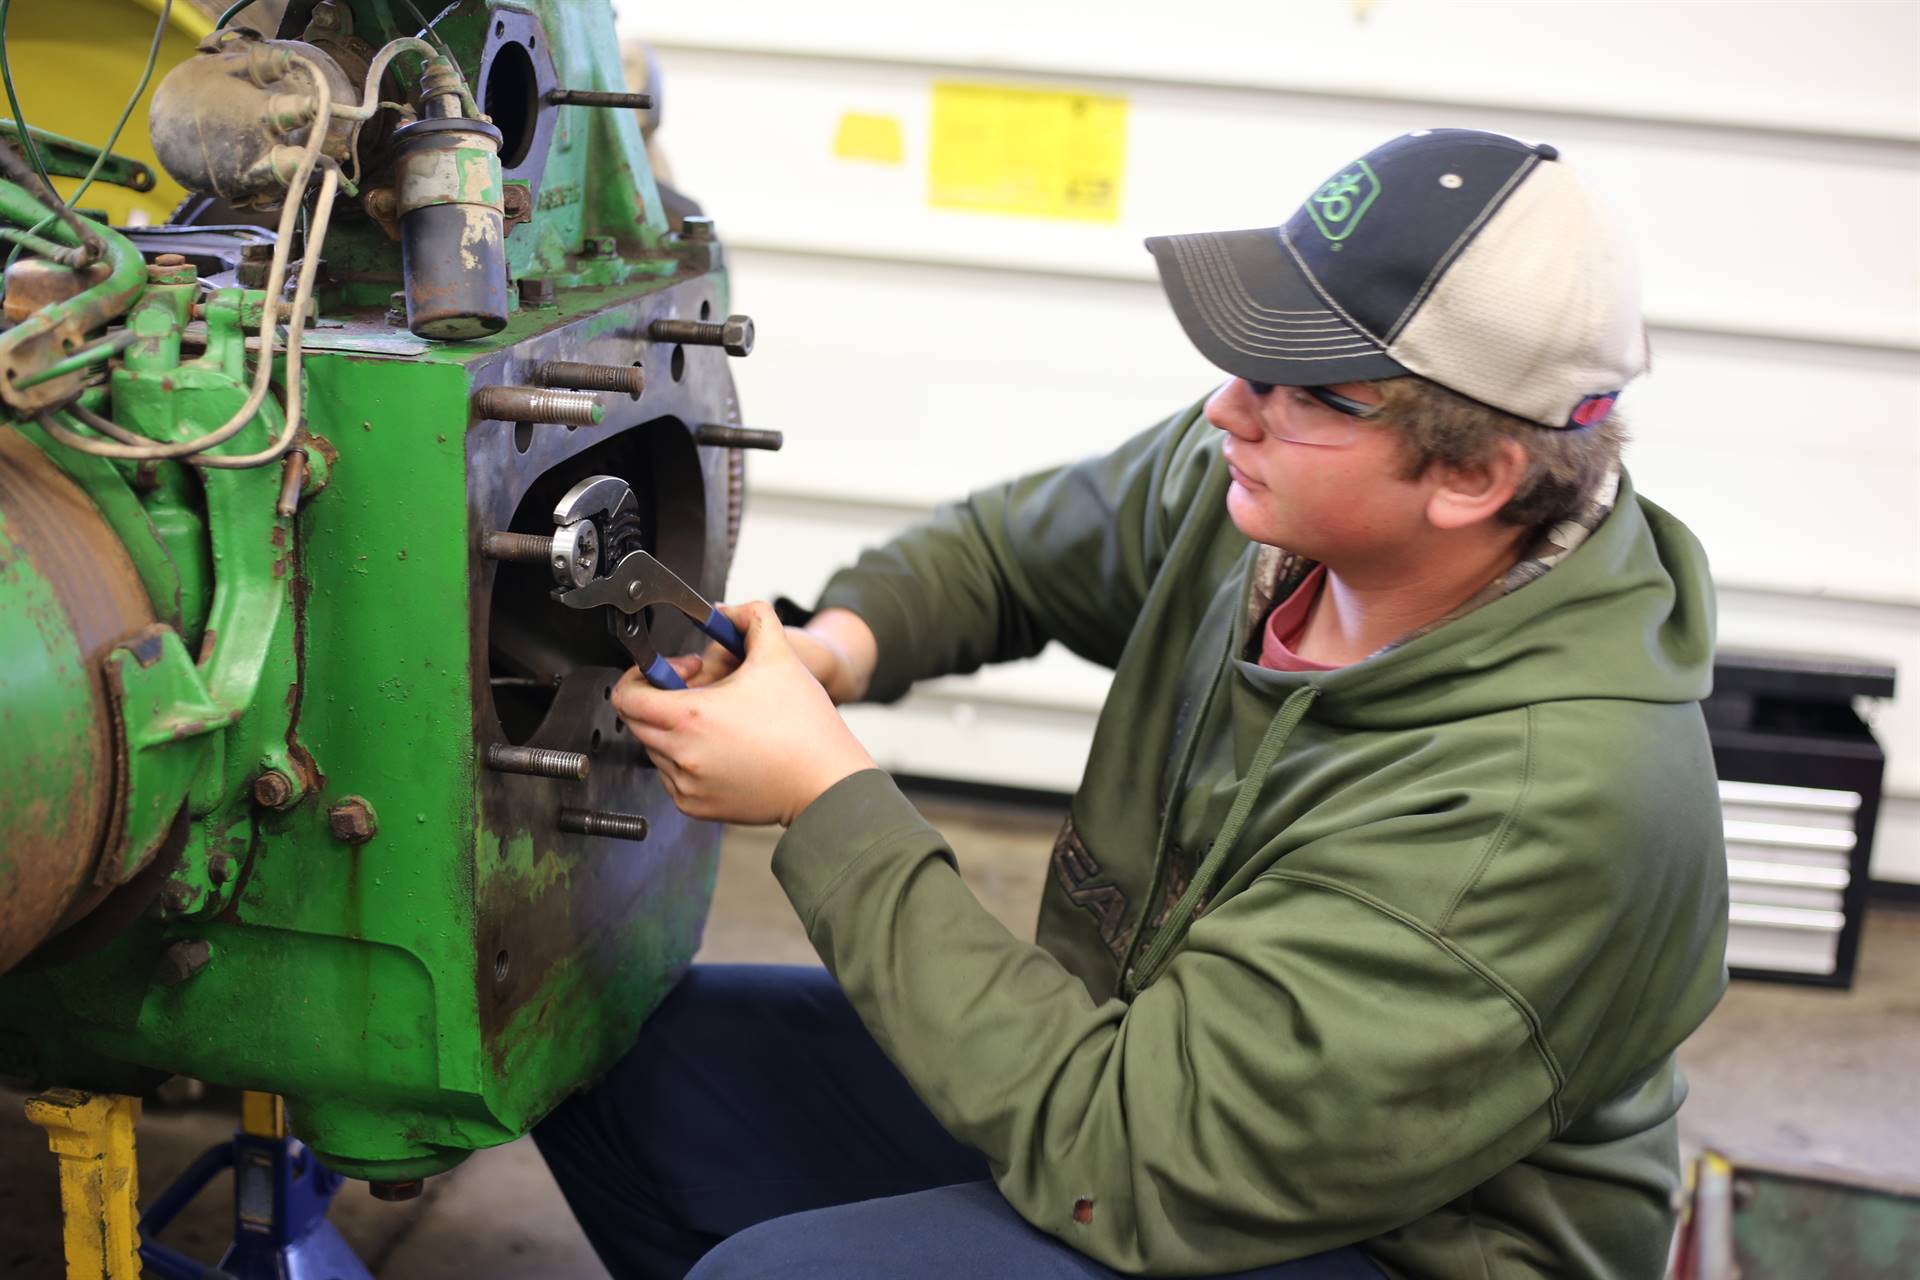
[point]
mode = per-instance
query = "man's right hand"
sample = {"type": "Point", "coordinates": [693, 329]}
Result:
{"type": "Point", "coordinates": [837, 647]}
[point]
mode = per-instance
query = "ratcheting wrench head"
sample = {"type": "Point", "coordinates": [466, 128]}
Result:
{"type": "Point", "coordinates": [607, 497]}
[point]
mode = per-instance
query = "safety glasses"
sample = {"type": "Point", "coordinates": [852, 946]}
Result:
{"type": "Point", "coordinates": [1318, 416]}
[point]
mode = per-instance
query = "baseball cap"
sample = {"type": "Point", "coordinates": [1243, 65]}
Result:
{"type": "Point", "coordinates": [1472, 259]}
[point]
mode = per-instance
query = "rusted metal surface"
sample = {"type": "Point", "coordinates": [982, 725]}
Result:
{"type": "Point", "coordinates": [555, 908]}
{"type": "Point", "coordinates": [55, 827]}
{"type": "Point", "coordinates": [33, 283]}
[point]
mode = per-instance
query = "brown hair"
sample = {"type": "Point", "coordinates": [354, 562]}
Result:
{"type": "Point", "coordinates": [1438, 426]}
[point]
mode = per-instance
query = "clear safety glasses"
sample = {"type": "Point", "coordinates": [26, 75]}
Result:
{"type": "Point", "coordinates": [1316, 415]}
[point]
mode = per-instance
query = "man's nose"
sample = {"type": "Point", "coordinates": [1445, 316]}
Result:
{"type": "Point", "coordinates": [1232, 410]}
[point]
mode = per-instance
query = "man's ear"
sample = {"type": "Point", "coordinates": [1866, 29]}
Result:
{"type": "Point", "coordinates": [1470, 494]}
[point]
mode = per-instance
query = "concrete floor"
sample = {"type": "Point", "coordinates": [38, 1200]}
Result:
{"type": "Point", "coordinates": [1779, 1073]}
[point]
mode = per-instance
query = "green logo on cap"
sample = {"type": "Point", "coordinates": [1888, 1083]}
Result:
{"type": "Point", "coordinates": [1337, 207]}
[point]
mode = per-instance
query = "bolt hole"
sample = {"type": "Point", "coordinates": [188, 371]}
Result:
{"type": "Point", "coordinates": [606, 694]}
{"type": "Point", "coordinates": [706, 310]}
{"type": "Point", "coordinates": [596, 743]}
{"type": "Point", "coordinates": [678, 365]}
{"type": "Point", "coordinates": [619, 726]}
{"type": "Point", "coordinates": [501, 962]}
{"type": "Point", "coordinates": [522, 436]}
{"type": "Point", "coordinates": [499, 28]}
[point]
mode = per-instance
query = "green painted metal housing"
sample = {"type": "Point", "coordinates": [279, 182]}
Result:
{"type": "Point", "coordinates": [398, 939]}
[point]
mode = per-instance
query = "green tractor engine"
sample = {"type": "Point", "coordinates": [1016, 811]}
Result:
{"type": "Point", "coordinates": [307, 785]}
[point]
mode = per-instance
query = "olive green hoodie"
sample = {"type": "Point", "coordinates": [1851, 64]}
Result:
{"type": "Point", "coordinates": [1464, 898]}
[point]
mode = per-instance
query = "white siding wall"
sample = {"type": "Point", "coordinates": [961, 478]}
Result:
{"type": "Point", "coordinates": [1766, 157]}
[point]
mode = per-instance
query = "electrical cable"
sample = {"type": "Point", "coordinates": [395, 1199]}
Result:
{"type": "Point", "coordinates": [15, 169]}
{"type": "Point", "coordinates": [79, 360]}
{"type": "Point", "coordinates": [231, 9]}
{"type": "Point", "coordinates": [146, 78]}
{"type": "Point", "coordinates": [310, 158]}
{"type": "Point", "coordinates": [27, 145]}
{"type": "Point", "coordinates": [67, 255]}
{"type": "Point", "coordinates": [302, 295]}
{"type": "Point", "coordinates": [32, 151]}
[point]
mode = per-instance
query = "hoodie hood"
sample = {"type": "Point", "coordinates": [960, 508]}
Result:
{"type": "Point", "coordinates": [1628, 614]}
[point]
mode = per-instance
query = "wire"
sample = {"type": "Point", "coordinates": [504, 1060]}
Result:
{"type": "Point", "coordinates": [310, 158]}
{"type": "Point", "coordinates": [146, 78]}
{"type": "Point", "coordinates": [426, 29]}
{"type": "Point", "coordinates": [106, 151]}
{"type": "Point", "coordinates": [302, 294]}
{"type": "Point", "coordinates": [79, 360]}
{"type": "Point", "coordinates": [27, 146]}
{"type": "Point", "coordinates": [232, 9]}
{"type": "Point", "coordinates": [13, 167]}
{"type": "Point", "coordinates": [66, 255]}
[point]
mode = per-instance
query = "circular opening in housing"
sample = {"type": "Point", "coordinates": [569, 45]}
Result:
{"type": "Point", "coordinates": [501, 963]}
{"type": "Point", "coordinates": [522, 436]}
{"type": "Point", "coordinates": [512, 98]}
{"type": "Point", "coordinates": [706, 310]}
{"type": "Point", "coordinates": [678, 365]}
{"type": "Point", "coordinates": [545, 661]}
{"type": "Point", "coordinates": [596, 742]}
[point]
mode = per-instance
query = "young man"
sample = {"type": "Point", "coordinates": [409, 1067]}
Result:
{"type": "Point", "coordinates": [1396, 874]}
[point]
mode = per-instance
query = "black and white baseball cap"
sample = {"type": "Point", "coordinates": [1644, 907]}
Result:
{"type": "Point", "coordinates": [1475, 260]}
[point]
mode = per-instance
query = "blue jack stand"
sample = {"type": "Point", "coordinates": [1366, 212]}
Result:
{"type": "Point", "coordinates": [280, 1196]}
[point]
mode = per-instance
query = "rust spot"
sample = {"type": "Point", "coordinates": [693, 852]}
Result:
{"type": "Point", "coordinates": [1083, 1211]}
{"type": "Point", "coordinates": [206, 647]}
{"type": "Point", "coordinates": [278, 537]}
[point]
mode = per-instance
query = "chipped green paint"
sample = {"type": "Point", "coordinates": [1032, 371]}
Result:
{"type": "Point", "coordinates": [368, 983]}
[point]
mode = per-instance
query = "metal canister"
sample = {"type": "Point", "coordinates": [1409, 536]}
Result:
{"type": "Point", "coordinates": [453, 249]}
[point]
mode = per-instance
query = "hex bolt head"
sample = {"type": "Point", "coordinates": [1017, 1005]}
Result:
{"type": "Point", "coordinates": [352, 821]}
{"type": "Point", "coordinates": [220, 868]}
{"type": "Point", "coordinates": [181, 961]}
{"type": "Point", "coordinates": [177, 898]}
{"type": "Point", "coordinates": [599, 246]}
{"type": "Point", "coordinates": [736, 335]}
{"type": "Point", "coordinates": [273, 790]}
{"type": "Point", "coordinates": [696, 227]}
{"type": "Point", "coordinates": [535, 292]}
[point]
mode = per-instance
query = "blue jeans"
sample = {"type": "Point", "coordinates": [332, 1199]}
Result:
{"type": "Point", "coordinates": [756, 1130]}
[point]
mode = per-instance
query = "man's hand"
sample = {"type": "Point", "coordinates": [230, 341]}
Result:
{"type": "Point", "coordinates": [752, 746]}
{"type": "Point", "coordinates": [837, 647]}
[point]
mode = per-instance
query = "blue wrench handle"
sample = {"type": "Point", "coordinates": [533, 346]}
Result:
{"type": "Point", "coordinates": [721, 628]}
{"type": "Point", "coordinates": [662, 676]}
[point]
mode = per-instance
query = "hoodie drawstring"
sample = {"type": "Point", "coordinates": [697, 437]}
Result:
{"type": "Point", "coordinates": [1180, 919]}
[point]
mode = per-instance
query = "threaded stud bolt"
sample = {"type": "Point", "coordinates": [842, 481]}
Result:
{"type": "Point", "coordinates": [520, 548]}
{"type": "Point", "coordinates": [721, 437]}
{"type": "Point", "coordinates": [592, 377]}
{"type": "Point", "coordinates": [538, 404]}
{"type": "Point", "coordinates": [595, 822]}
{"type": "Point", "coordinates": [537, 762]}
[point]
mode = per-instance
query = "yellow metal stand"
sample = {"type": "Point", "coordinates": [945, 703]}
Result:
{"type": "Point", "coordinates": [264, 1115]}
{"type": "Point", "coordinates": [92, 1134]}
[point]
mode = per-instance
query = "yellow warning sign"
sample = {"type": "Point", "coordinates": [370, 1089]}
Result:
{"type": "Point", "coordinates": [868, 137]}
{"type": "Point", "coordinates": [1043, 153]}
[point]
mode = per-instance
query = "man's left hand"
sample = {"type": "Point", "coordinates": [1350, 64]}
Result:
{"type": "Point", "coordinates": [753, 748]}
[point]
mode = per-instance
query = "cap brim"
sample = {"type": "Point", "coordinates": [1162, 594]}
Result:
{"type": "Point", "coordinates": [1247, 306]}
